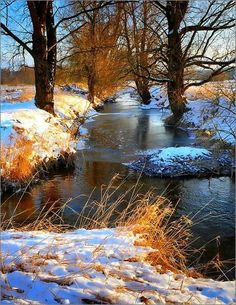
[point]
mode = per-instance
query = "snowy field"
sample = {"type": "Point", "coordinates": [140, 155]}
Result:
{"type": "Point", "coordinates": [95, 267]}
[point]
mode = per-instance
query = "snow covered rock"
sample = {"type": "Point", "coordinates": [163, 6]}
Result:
{"type": "Point", "coordinates": [184, 161]}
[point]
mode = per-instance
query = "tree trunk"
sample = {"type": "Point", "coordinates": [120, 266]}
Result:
{"type": "Point", "coordinates": [175, 11]}
{"type": "Point", "coordinates": [44, 84]}
{"type": "Point", "coordinates": [143, 90]}
{"type": "Point", "coordinates": [44, 50]}
{"type": "Point", "coordinates": [91, 85]}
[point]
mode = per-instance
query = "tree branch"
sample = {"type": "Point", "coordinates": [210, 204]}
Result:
{"type": "Point", "coordinates": [214, 73]}
{"type": "Point", "coordinates": [82, 12]}
{"type": "Point", "coordinates": [22, 43]}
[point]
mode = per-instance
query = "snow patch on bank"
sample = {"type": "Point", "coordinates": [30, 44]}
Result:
{"type": "Point", "coordinates": [159, 99]}
{"type": "Point", "coordinates": [217, 116]}
{"type": "Point", "coordinates": [184, 153]}
{"type": "Point", "coordinates": [184, 161]}
{"type": "Point", "coordinates": [50, 135]}
{"type": "Point", "coordinates": [94, 266]}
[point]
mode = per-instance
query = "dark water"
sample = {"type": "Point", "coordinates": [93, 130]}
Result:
{"type": "Point", "coordinates": [118, 135]}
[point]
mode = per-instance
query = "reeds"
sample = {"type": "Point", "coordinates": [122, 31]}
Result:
{"type": "Point", "coordinates": [149, 217]}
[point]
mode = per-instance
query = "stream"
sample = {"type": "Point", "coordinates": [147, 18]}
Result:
{"type": "Point", "coordinates": [121, 133]}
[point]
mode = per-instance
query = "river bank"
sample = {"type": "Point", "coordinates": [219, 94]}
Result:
{"type": "Point", "coordinates": [211, 111]}
{"type": "Point", "coordinates": [48, 141]}
{"type": "Point", "coordinates": [33, 141]}
{"type": "Point", "coordinates": [185, 162]}
{"type": "Point", "coordinates": [95, 267]}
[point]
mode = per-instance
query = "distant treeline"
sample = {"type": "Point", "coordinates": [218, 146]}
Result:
{"type": "Point", "coordinates": [23, 76]}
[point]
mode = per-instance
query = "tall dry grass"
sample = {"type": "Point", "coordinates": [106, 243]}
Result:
{"type": "Point", "coordinates": [16, 159]}
{"type": "Point", "coordinates": [149, 217]}
{"type": "Point", "coordinates": [214, 90]}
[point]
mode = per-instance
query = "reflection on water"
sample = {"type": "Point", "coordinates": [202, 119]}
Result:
{"type": "Point", "coordinates": [24, 209]}
{"type": "Point", "coordinates": [117, 136]}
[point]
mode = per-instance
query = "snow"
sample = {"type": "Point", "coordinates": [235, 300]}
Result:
{"type": "Point", "coordinates": [158, 99]}
{"type": "Point", "coordinates": [182, 162]}
{"type": "Point", "coordinates": [80, 92]}
{"type": "Point", "coordinates": [49, 134]}
{"type": "Point", "coordinates": [100, 266]}
{"type": "Point", "coordinates": [9, 93]}
{"type": "Point", "coordinates": [216, 116]}
{"type": "Point", "coordinates": [127, 97]}
{"type": "Point", "coordinates": [185, 152]}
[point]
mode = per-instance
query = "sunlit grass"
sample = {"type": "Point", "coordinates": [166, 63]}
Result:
{"type": "Point", "coordinates": [146, 215]}
{"type": "Point", "coordinates": [213, 90]}
{"type": "Point", "coordinates": [17, 159]}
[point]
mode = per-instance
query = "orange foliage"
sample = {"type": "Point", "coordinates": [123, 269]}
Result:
{"type": "Point", "coordinates": [96, 57]}
{"type": "Point", "coordinates": [168, 239]}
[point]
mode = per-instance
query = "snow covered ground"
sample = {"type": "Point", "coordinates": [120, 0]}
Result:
{"type": "Point", "coordinates": [216, 115]}
{"type": "Point", "coordinates": [95, 267]}
{"type": "Point", "coordinates": [50, 136]}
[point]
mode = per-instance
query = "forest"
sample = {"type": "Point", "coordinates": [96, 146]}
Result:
{"type": "Point", "coordinates": [118, 122]}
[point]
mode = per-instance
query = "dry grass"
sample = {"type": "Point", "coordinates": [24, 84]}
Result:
{"type": "Point", "coordinates": [169, 238]}
{"type": "Point", "coordinates": [149, 217]}
{"type": "Point", "coordinates": [213, 90]}
{"type": "Point", "coordinates": [24, 93]}
{"type": "Point", "coordinates": [27, 94]}
{"type": "Point", "coordinates": [16, 159]}
{"type": "Point", "coordinates": [146, 215]}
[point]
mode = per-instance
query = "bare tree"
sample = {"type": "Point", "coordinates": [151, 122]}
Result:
{"type": "Point", "coordinates": [140, 44]}
{"type": "Point", "coordinates": [44, 45]}
{"type": "Point", "coordinates": [94, 53]}
{"type": "Point", "coordinates": [43, 51]}
{"type": "Point", "coordinates": [190, 31]}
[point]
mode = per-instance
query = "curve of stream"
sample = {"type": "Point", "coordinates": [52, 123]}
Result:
{"type": "Point", "coordinates": [121, 133]}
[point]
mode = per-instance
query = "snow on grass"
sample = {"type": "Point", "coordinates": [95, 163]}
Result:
{"type": "Point", "coordinates": [50, 135]}
{"type": "Point", "coordinates": [158, 99]}
{"type": "Point", "coordinates": [127, 96]}
{"type": "Point", "coordinates": [94, 266]}
{"type": "Point", "coordinates": [7, 120]}
{"type": "Point", "coordinates": [218, 117]}
{"type": "Point", "coordinates": [216, 113]}
{"type": "Point", "coordinates": [16, 93]}
{"type": "Point", "coordinates": [184, 161]}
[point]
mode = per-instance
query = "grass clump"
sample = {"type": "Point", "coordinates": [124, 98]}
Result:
{"type": "Point", "coordinates": [148, 217]}
{"type": "Point", "coordinates": [17, 159]}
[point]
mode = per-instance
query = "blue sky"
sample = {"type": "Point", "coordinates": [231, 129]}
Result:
{"type": "Point", "coordinates": [17, 21]}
